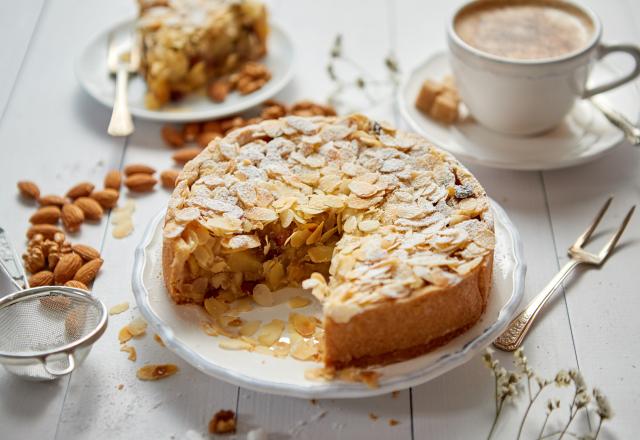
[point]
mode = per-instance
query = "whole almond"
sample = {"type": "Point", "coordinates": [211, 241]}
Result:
{"type": "Point", "coordinates": [172, 136]}
{"type": "Point", "coordinates": [168, 178]}
{"type": "Point", "coordinates": [140, 182]}
{"type": "Point", "coordinates": [72, 217]}
{"type": "Point", "coordinates": [42, 278]}
{"type": "Point", "coordinates": [52, 199]}
{"type": "Point", "coordinates": [91, 209]}
{"type": "Point", "coordinates": [108, 198]}
{"type": "Point", "coordinates": [205, 138]}
{"type": "Point", "coordinates": [212, 127]}
{"type": "Point", "coordinates": [67, 267]}
{"type": "Point", "coordinates": [28, 189]}
{"type": "Point", "coordinates": [82, 189]}
{"type": "Point", "coordinates": [218, 90]}
{"type": "Point", "coordinates": [47, 231]}
{"type": "Point", "coordinates": [86, 252]}
{"type": "Point", "coordinates": [186, 154]}
{"type": "Point", "coordinates": [77, 284]}
{"type": "Point", "coordinates": [113, 179]}
{"type": "Point", "coordinates": [138, 168]}
{"type": "Point", "coordinates": [191, 130]}
{"type": "Point", "coordinates": [46, 214]}
{"type": "Point", "coordinates": [87, 273]}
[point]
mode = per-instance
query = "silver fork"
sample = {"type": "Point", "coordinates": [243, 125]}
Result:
{"type": "Point", "coordinates": [630, 130]}
{"type": "Point", "coordinates": [121, 123]}
{"type": "Point", "coordinates": [515, 333]}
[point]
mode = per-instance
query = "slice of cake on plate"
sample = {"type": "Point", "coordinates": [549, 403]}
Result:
{"type": "Point", "coordinates": [394, 236]}
{"type": "Point", "coordinates": [187, 43]}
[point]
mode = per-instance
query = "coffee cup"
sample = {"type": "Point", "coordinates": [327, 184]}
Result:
{"type": "Point", "coordinates": [520, 65]}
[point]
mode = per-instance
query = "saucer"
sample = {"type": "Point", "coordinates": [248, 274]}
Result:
{"type": "Point", "coordinates": [584, 134]}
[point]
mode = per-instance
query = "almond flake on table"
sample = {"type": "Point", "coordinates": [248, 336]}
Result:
{"type": "Point", "coordinates": [119, 308]}
{"type": "Point", "coordinates": [131, 350]}
{"type": "Point", "coordinates": [156, 372]}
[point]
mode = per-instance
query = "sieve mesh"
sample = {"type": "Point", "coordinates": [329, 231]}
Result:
{"type": "Point", "coordinates": [41, 323]}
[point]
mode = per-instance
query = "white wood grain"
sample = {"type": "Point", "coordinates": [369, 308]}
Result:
{"type": "Point", "coordinates": [602, 303]}
{"type": "Point", "coordinates": [17, 21]}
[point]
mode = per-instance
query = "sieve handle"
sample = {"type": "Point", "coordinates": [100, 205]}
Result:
{"type": "Point", "coordinates": [72, 365]}
{"type": "Point", "coordinates": [11, 263]}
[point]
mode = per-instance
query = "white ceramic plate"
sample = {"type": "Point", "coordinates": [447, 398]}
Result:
{"type": "Point", "coordinates": [180, 330]}
{"type": "Point", "coordinates": [584, 135]}
{"type": "Point", "coordinates": [91, 70]}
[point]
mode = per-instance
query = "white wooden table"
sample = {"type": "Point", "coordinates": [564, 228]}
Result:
{"type": "Point", "coordinates": [53, 133]}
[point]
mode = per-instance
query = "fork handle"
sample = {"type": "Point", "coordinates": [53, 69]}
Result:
{"type": "Point", "coordinates": [121, 123]}
{"type": "Point", "coordinates": [518, 328]}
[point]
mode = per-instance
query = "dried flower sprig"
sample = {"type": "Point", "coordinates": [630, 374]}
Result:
{"type": "Point", "coordinates": [509, 383]}
{"type": "Point", "coordinates": [359, 79]}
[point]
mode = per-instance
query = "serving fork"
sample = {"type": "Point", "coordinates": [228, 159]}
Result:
{"type": "Point", "coordinates": [515, 333]}
{"type": "Point", "coordinates": [121, 123]}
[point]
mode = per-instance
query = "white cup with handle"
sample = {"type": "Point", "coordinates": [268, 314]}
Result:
{"type": "Point", "coordinates": [517, 95]}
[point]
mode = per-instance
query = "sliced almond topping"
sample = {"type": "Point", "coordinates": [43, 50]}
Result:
{"type": "Point", "coordinates": [304, 351]}
{"type": "Point", "coordinates": [270, 333]}
{"type": "Point", "coordinates": [138, 326]}
{"type": "Point", "coordinates": [298, 302]}
{"type": "Point", "coordinates": [303, 324]}
{"type": "Point", "coordinates": [215, 307]}
{"type": "Point", "coordinates": [263, 296]}
{"type": "Point", "coordinates": [235, 344]}
{"type": "Point", "coordinates": [250, 327]}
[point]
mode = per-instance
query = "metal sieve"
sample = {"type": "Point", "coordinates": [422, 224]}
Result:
{"type": "Point", "coordinates": [45, 332]}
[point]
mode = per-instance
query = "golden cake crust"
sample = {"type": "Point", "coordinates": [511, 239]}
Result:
{"type": "Point", "coordinates": [402, 230]}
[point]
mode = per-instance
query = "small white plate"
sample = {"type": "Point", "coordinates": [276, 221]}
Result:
{"type": "Point", "coordinates": [179, 327]}
{"type": "Point", "coordinates": [91, 70]}
{"type": "Point", "coordinates": [584, 135]}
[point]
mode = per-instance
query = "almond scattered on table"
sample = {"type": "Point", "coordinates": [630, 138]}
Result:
{"type": "Point", "coordinates": [113, 180]}
{"type": "Point", "coordinates": [91, 209]}
{"type": "Point", "coordinates": [77, 284]}
{"type": "Point", "coordinates": [138, 168]}
{"type": "Point", "coordinates": [42, 278]}
{"type": "Point", "coordinates": [52, 199]}
{"type": "Point", "coordinates": [168, 178]}
{"type": "Point", "coordinates": [87, 253]}
{"type": "Point", "coordinates": [107, 198]}
{"type": "Point", "coordinates": [186, 154]}
{"type": "Point", "coordinates": [88, 271]}
{"type": "Point", "coordinates": [82, 189]}
{"type": "Point", "coordinates": [140, 182]}
{"type": "Point", "coordinates": [172, 136]}
{"type": "Point", "coordinates": [46, 214]}
{"type": "Point", "coordinates": [28, 189]}
{"type": "Point", "coordinates": [67, 267]}
{"type": "Point", "coordinates": [47, 231]}
{"type": "Point", "coordinates": [72, 217]}
{"type": "Point", "coordinates": [190, 131]}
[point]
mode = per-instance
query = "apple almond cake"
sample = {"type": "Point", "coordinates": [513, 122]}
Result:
{"type": "Point", "coordinates": [393, 236]}
{"type": "Point", "coordinates": [186, 43]}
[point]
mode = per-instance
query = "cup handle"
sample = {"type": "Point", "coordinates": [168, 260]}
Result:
{"type": "Point", "coordinates": [603, 51]}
